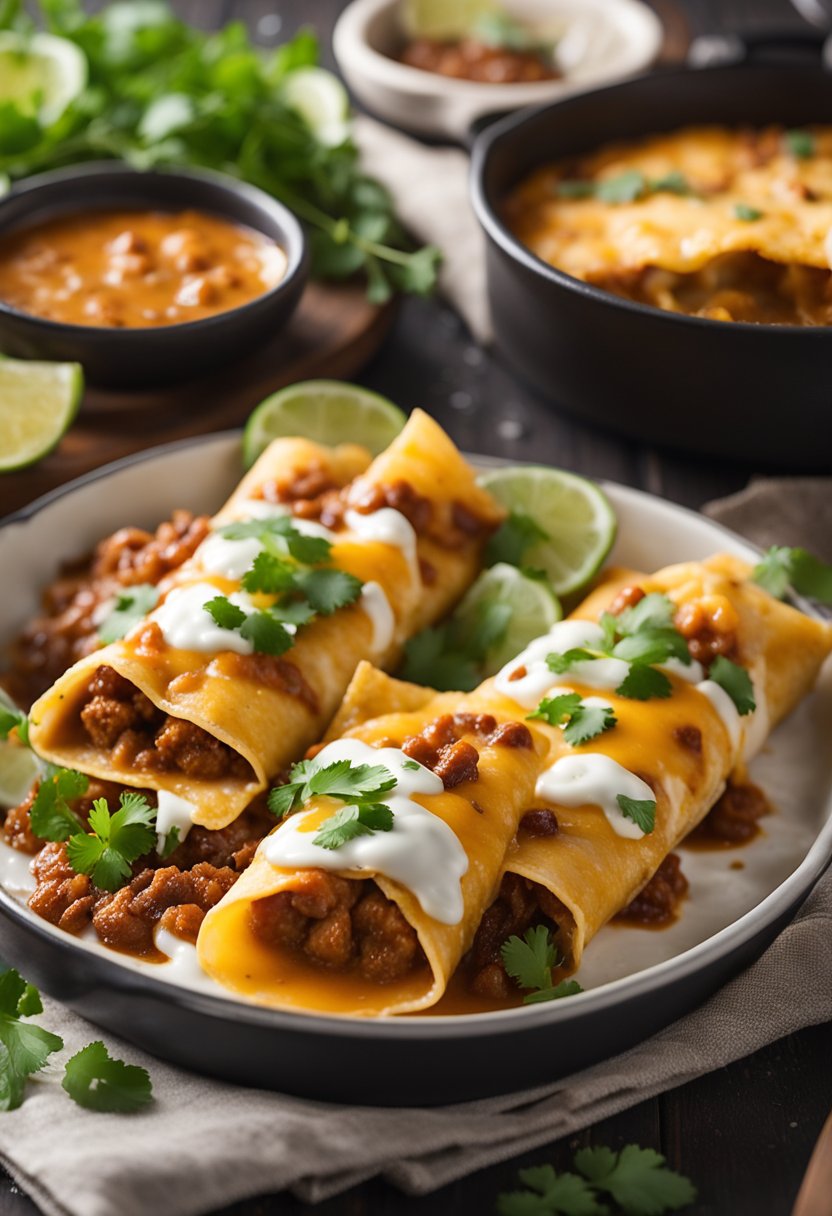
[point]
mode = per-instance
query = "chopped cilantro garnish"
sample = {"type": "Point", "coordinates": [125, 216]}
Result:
{"type": "Point", "coordinates": [643, 683]}
{"type": "Point", "coordinates": [329, 590]}
{"type": "Point", "coordinates": [105, 853]}
{"type": "Point", "coordinates": [130, 607]}
{"type": "Point", "coordinates": [736, 681]}
{"type": "Point", "coordinates": [783, 567]}
{"type": "Point", "coordinates": [411, 764]}
{"type": "Point", "coordinates": [279, 536]}
{"type": "Point", "coordinates": [352, 821]}
{"type": "Point", "coordinates": [642, 811]}
{"type": "Point", "coordinates": [742, 211]}
{"type": "Point", "coordinates": [636, 1179]}
{"type": "Point", "coordinates": [51, 817]}
{"type": "Point", "coordinates": [24, 1048]}
{"type": "Point", "coordinates": [355, 784]}
{"type": "Point", "coordinates": [653, 611]}
{"type": "Point", "coordinates": [673, 182]}
{"type": "Point", "coordinates": [801, 144]}
{"type": "Point", "coordinates": [626, 187]}
{"type": "Point", "coordinates": [581, 722]}
{"type": "Point", "coordinates": [513, 539]}
{"type": "Point", "coordinates": [14, 719]}
{"type": "Point", "coordinates": [266, 634]}
{"type": "Point", "coordinates": [96, 1081]}
{"type": "Point", "coordinates": [561, 663]}
{"type": "Point", "coordinates": [451, 656]}
{"type": "Point", "coordinates": [171, 842]}
{"type": "Point", "coordinates": [529, 961]}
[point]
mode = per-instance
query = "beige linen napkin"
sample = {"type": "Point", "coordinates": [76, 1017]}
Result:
{"type": "Point", "coordinates": [204, 1144]}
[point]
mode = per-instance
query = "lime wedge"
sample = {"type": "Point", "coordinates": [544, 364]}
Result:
{"type": "Point", "coordinates": [574, 513]}
{"type": "Point", "coordinates": [326, 411]}
{"type": "Point", "coordinates": [18, 765]}
{"type": "Point", "coordinates": [41, 74]}
{"type": "Point", "coordinates": [444, 19]}
{"type": "Point", "coordinates": [322, 100]}
{"type": "Point", "coordinates": [534, 609]}
{"type": "Point", "coordinates": [38, 401]}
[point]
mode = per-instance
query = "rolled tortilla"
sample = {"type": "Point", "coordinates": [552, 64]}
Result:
{"type": "Point", "coordinates": [267, 709]}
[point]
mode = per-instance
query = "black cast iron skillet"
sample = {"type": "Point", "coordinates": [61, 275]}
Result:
{"type": "Point", "coordinates": [758, 393]}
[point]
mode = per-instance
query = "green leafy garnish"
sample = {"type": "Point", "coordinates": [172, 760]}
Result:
{"type": "Point", "coordinates": [580, 722]}
{"type": "Point", "coordinates": [265, 632]}
{"type": "Point", "coordinates": [96, 1081]}
{"type": "Point", "coordinates": [642, 811]}
{"type": "Point", "coordinates": [529, 961]}
{"type": "Point", "coordinates": [355, 784]}
{"type": "Point", "coordinates": [24, 1048]}
{"type": "Point", "coordinates": [308, 550]}
{"type": "Point", "coordinates": [512, 540]}
{"type": "Point", "coordinates": [636, 1179]}
{"type": "Point", "coordinates": [801, 144]}
{"type": "Point", "coordinates": [642, 683]}
{"type": "Point", "coordinates": [450, 657]}
{"type": "Point", "coordinates": [498, 29]}
{"type": "Point", "coordinates": [783, 567]}
{"type": "Point", "coordinates": [329, 590]}
{"type": "Point", "coordinates": [114, 841]}
{"type": "Point", "coordinates": [130, 607]}
{"type": "Point", "coordinates": [171, 842]}
{"type": "Point", "coordinates": [736, 681]}
{"type": "Point", "coordinates": [11, 719]}
{"type": "Point", "coordinates": [626, 187]}
{"type": "Point", "coordinates": [742, 211]}
{"type": "Point", "coordinates": [161, 92]}
{"type": "Point", "coordinates": [51, 817]}
{"type": "Point", "coordinates": [352, 821]}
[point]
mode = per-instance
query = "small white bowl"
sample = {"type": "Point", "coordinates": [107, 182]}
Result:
{"type": "Point", "coordinates": [603, 41]}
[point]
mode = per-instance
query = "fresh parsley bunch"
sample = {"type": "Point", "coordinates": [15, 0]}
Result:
{"type": "Point", "coordinates": [161, 92]}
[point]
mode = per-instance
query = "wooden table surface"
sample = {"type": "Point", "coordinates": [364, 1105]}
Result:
{"type": "Point", "coordinates": [744, 1134]}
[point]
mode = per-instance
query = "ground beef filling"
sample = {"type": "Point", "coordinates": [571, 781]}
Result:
{"type": "Point", "coordinates": [734, 818]}
{"type": "Point", "coordinates": [342, 924]}
{"type": "Point", "coordinates": [442, 748]}
{"type": "Point", "coordinates": [67, 628]}
{"type": "Point", "coordinates": [120, 719]}
{"type": "Point", "coordinates": [470, 59]}
{"type": "Point", "coordinates": [657, 904]}
{"type": "Point", "coordinates": [519, 905]}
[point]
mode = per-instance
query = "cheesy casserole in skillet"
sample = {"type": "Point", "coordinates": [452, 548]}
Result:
{"type": "Point", "coordinates": [733, 225]}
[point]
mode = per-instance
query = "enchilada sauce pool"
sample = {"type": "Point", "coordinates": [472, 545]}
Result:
{"type": "Point", "coordinates": [136, 269]}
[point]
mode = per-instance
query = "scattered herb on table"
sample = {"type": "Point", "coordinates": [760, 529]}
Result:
{"type": "Point", "coordinates": [95, 1080]}
{"type": "Point", "coordinates": [358, 785]}
{"type": "Point", "coordinates": [160, 92]}
{"type": "Point", "coordinates": [783, 567]}
{"type": "Point", "coordinates": [529, 961]}
{"type": "Point", "coordinates": [24, 1047]}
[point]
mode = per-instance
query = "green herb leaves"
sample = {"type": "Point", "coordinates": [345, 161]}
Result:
{"type": "Point", "coordinates": [742, 211]}
{"type": "Point", "coordinates": [51, 817]}
{"type": "Point", "coordinates": [105, 853]}
{"type": "Point", "coordinates": [642, 811]}
{"type": "Point", "coordinates": [357, 785]}
{"type": "Point", "coordinates": [11, 719]}
{"type": "Point", "coordinates": [529, 961]}
{"type": "Point", "coordinates": [352, 821]}
{"type": "Point", "coordinates": [580, 721]}
{"type": "Point", "coordinates": [265, 632]}
{"type": "Point", "coordinates": [513, 539]}
{"type": "Point", "coordinates": [736, 681]}
{"type": "Point", "coordinates": [782, 568]}
{"type": "Point", "coordinates": [308, 550]}
{"type": "Point", "coordinates": [627, 187]}
{"type": "Point", "coordinates": [801, 144]}
{"type": "Point", "coordinates": [636, 1179]}
{"type": "Point", "coordinates": [96, 1081]}
{"type": "Point", "coordinates": [450, 657]}
{"type": "Point", "coordinates": [24, 1048]}
{"type": "Point", "coordinates": [130, 607]}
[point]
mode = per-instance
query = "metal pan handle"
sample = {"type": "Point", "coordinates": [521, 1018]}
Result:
{"type": "Point", "coordinates": [716, 50]}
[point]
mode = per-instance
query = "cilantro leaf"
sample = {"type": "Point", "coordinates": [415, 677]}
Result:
{"type": "Point", "coordinates": [270, 574]}
{"type": "Point", "coordinates": [352, 821]}
{"type": "Point", "coordinates": [643, 682]}
{"type": "Point", "coordinates": [561, 663]}
{"type": "Point", "coordinates": [171, 842]}
{"type": "Point", "coordinates": [654, 611]}
{"type": "Point", "coordinates": [24, 1049]}
{"type": "Point", "coordinates": [308, 550]}
{"type": "Point", "coordinates": [265, 633]}
{"type": "Point", "coordinates": [747, 214]}
{"type": "Point", "coordinates": [581, 722]}
{"type": "Point", "coordinates": [557, 710]}
{"type": "Point", "coordinates": [736, 681]}
{"type": "Point", "coordinates": [651, 645]}
{"type": "Point", "coordinates": [51, 817]}
{"type": "Point", "coordinates": [455, 656]}
{"type": "Point", "coordinates": [637, 1179]}
{"type": "Point", "coordinates": [642, 811]}
{"type": "Point", "coordinates": [130, 607]}
{"type": "Point", "coordinates": [783, 567]}
{"type": "Point", "coordinates": [18, 998]}
{"type": "Point", "coordinates": [529, 961]}
{"type": "Point", "coordinates": [329, 590]}
{"type": "Point", "coordinates": [105, 853]}
{"type": "Point", "coordinates": [673, 182]}
{"type": "Point", "coordinates": [801, 144]}
{"type": "Point", "coordinates": [356, 784]}
{"type": "Point", "coordinates": [11, 719]}
{"type": "Point", "coordinates": [96, 1081]}
{"type": "Point", "coordinates": [550, 1194]}
{"type": "Point", "coordinates": [564, 988]}
{"type": "Point", "coordinates": [512, 540]}
{"type": "Point", "coordinates": [625, 187]}
{"type": "Point", "coordinates": [224, 613]}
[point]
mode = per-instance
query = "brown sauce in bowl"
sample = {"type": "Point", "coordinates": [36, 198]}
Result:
{"type": "Point", "coordinates": [136, 269]}
{"type": "Point", "coordinates": [471, 59]}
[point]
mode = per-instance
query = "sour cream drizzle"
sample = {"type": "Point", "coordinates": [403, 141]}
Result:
{"type": "Point", "coordinates": [382, 618]}
{"type": "Point", "coordinates": [173, 812]}
{"type": "Point", "coordinates": [186, 625]}
{"type": "Point", "coordinates": [389, 527]}
{"type": "Point", "coordinates": [594, 780]}
{"type": "Point", "coordinates": [421, 852]}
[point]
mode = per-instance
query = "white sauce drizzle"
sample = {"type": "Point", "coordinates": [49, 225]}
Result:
{"type": "Point", "coordinates": [173, 812]}
{"type": "Point", "coordinates": [389, 527]}
{"type": "Point", "coordinates": [229, 558]}
{"type": "Point", "coordinates": [591, 779]}
{"type": "Point", "coordinates": [375, 603]}
{"type": "Point", "coordinates": [756, 727]}
{"type": "Point", "coordinates": [186, 625]}
{"type": "Point", "coordinates": [421, 852]}
{"type": "Point", "coordinates": [726, 709]}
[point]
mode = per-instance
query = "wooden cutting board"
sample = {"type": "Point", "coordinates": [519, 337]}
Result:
{"type": "Point", "coordinates": [333, 333]}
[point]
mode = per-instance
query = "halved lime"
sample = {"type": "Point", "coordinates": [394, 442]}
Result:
{"type": "Point", "coordinates": [534, 610]}
{"type": "Point", "coordinates": [40, 73]}
{"type": "Point", "coordinates": [576, 515]}
{"type": "Point", "coordinates": [444, 19]}
{"type": "Point", "coordinates": [18, 765]}
{"type": "Point", "coordinates": [326, 411]}
{"type": "Point", "coordinates": [38, 401]}
{"type": "Point", "coordinates": [322, 100]}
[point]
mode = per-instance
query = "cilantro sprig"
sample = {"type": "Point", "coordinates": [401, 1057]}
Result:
{"type": "Point", "coordinates": [783, 567]}
{"type": "Point", "coordinates": [51, 816]}
{"type": "Point", "coordinates": [452, 656]}
{"type": "Point", "coordinates": [736, 681]}
{"type": "Point", "coordinates": [12, 718]}
{"type": "Point", "coordinates": [580, 722]}
{"type": "Point", "coordinates": [626, 187]}
{"type": "Point", "coordinates": [747, 213]}
{"type": "Point", "coordinates": [129, 608]}
{"type": "Point", "coordinates": [511, 542]}
{"type": "Point", "coordinates": [359, 786]}
{"type": "Point", "coordinates": [114, 840]}
{"type": "Point", "coordinates": [529, 961]}
{"type": "Point", "coordinates": [801, 144]}
{"type": "Point", "coordinates": [24, 1047]}
{"type": "Point", "coordinates": [636, 1179]}
{"type": "Point", "coordinates": [97, 1081]}
{"type": "Point", "coordinates": [642, 811]}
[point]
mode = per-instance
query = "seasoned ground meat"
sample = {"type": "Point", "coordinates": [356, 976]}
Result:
{"type": "Point", "coordinates": [709, 626]}
{"type": "Point", "coordinates": [470, 59]}
{"type": "Point", "coordinates": [450, 525]}
{"type": "Point", "coordinates": [119, 718]}
{"type": "Point", "coordinates": [441, 748]}
{"type": "Point", "coordinates": [657, 904]}
{"type": "Point", "coordinates": [457, 763]}
{"type": "Point", "coordinates": [342, 924]}
{"type": "Point", "coordinates": [519, 905]}
{"type": "Point", "coordinates": [734, 818]}
{"type": "Point", "coordinates": [690, 738]}
{"type": "Point", "coordinates": [17, 828]}
{"type": "Point", "coordinates": [67, 628]}
{"type": "Point", "coordinates": [62, 897]}
{"type": "Point", "coordinates": [539, 822]}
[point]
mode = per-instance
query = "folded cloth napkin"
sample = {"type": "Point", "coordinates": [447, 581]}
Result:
{"type": "Point", "coordinates": [430, 186]}
{"type": "Point", "coordinates": [204, 1144]}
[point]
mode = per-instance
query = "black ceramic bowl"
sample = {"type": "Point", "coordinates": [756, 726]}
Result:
{"type": "Point", "coordinates": [134, 358]}
{"type": "Point", "coordinates": [752, 392]}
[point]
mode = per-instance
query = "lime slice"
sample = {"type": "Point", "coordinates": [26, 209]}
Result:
{"type": "Point", "coordinates": [534, 610]}
{"type": "Point", "coordinates": [41, 74]}
{"type": "Point", "coordinates": [327, 411]}
{"type": "Point", "coordinates": [322, 100]}
{"type": "Point", "coordinates": [575, 514]}
{"type": "Point", "coordinates": [18, 766]}
{"type": "Point", "coordinates": [444, 19]}
{"type": "Point", "coordinates": [38, 401]}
